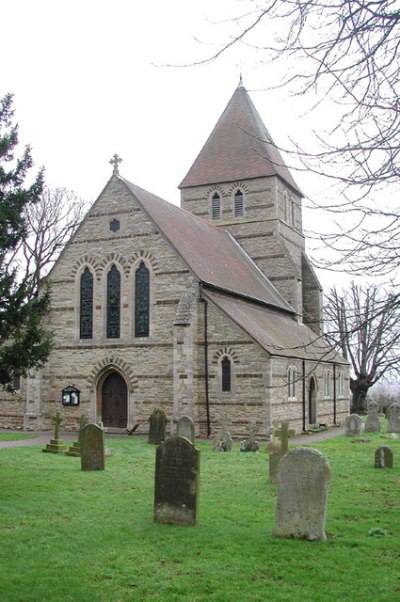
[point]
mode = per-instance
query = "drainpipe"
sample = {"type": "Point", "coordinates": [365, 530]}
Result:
{"type": "Point", "coordinates": [334, 394]}
{"type": "Point", "coordinates": [304, 395]}
{"type": "Point", "coordinates": [206, 363]}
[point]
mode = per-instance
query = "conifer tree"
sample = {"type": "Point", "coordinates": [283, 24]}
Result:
{"type": "Point", "coordinates": [24, 341]}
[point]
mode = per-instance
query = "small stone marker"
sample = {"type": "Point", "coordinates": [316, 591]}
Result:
{"type": "Point", "coordinates": [394, 419]}
{"type": "Point", "coordinates": [158, 422]}
{"type": "Point", "coordinates": [56, 445]}
{"type": "Point", "coordinates": [372, 424]}
{"type": "Point", "coordinates": [176, 482]}
{"type": "Point", "coordinates": [250, 444]}
{"type": "Point", "coordinates": [278, 448]}
{"type": "Point", "coordinates": [303, 480]}
{"type": "Point", "coordinates": [75, 448]}
{"type": "Point", "coordinates": [186, 428]}
{"type": "Point", "coordinates": [353, 426]}
{"type": "Point", "coordinates": [92, 447]}
{"type": "Point", "coordinates": [223, 440]}
{"type": "Point", "coordinates": [383, 457]}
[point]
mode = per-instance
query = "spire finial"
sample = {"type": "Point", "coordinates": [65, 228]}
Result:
{"type": "Point", "coordinates": [115, 161]}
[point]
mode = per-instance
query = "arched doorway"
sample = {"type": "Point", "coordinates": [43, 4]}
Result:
{"type": "Point", "coordinates": [312, 402]}
{"type": "Point", "coordinates": [114, 406]}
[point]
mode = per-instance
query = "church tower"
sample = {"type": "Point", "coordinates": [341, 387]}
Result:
{"type": "Point", "coordinates": [240, 182]}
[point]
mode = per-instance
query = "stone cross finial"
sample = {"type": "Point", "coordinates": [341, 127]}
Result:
{"type": "Point", "coordinates": [57, 421]}
{"type": "Point", "coordinates": [284, 434]}
{"type": "Point", "coordinates": [115, 161]}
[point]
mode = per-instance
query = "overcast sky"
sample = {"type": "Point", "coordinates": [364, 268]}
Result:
{"type": "Point", "coordinates": [90, 78]}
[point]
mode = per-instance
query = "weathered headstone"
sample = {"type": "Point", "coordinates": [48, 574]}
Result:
{"type": "Point", "coordinates": [353, 426]}
{"type": "Point", "coordinates": [186, 428]}
{"type": "Point", "coordinates": [372, 424]}
{"type": "Point", "coordinates": [394, 419]}
{"type": "Point", "coordinates": [250, 444]}
{"type": "Point", "coordinates": [92, 447]}
{"type": "Point", "coordinates": [75, 448]}
{"type": "Point", "coordinates": [176, 482]}
{"type": "Point", "coordinates": [158, 422]}
{"type": "Point", "coordinates": [56, 445]}
{"type": "Point", "coordinates": [383, 457]}
{"type": "Point", "coordinates": [223, 440]}
{"type": "Point", "coordinates": [278, 448]}
{"type": "Point", "coordinates": [303, 480]}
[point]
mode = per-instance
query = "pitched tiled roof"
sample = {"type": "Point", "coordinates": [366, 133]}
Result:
{"type": "Point", "coordinates": [276, 332]}
{"type": "Point", "coordinates": [238, 148]}
{"type": "Point", "coordinates": [211, 253]}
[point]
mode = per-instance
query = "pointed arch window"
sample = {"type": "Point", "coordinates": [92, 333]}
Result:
{"type": "Point", "coordinates": [113, 303]}
{"type": "Point", "coordinates": [239, 207]}
{"type": "Point", "coordinates": [291, 379]}
{"type": "Point", "coordinates": [142, 301]}
{"type": "Point", "coordinates": [327, 384]}
{"type": "Point", "coordinates": [226, 369]}
{"type": "Point", "coordinates": [86, 305]}
{"type": "Point", "coordinates": [216, 206]}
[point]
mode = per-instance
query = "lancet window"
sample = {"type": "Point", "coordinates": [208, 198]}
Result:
{"type": "Point", "coordinates": [142, 301]}
{"type": "Point", "coordinates": [86, 305]}
{"type": "Point", "coordinates": [113, 303]}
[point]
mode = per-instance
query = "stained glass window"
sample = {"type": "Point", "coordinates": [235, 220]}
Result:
{"type": "Point", "coordinates": [238, 203]}
{"type": "Point", "coordinates": [226, 374]}
{"type": "Point", "coordinates": [86, 305]}
{"type": "Point", "coordinates": [142, 301]}
{"type": "Point", "coordinates": [113, 303]}
{"type": "Point", "coordinates": [216, 206]}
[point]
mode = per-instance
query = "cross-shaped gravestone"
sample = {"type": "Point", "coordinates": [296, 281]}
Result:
{"type": "Point", "coordinates": [284, 434]}
{"type": "Point", "coordinates": [57, 420]}
{"type": "Point", "coordinates": [275, 456]}
{"type": "Point", "coordinates": [252, 431]}
{"type": "Point", "coordinates": [82, 423]}
{"type": "Point", "coordinates": [115, 161]}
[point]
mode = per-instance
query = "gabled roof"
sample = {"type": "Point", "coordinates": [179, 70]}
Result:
{"type": "Point", "coordinates": [239, 148]}
{"type": "Point", "coordinates": [211, 253]}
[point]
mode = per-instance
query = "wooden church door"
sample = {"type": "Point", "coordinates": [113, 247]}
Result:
{"type": "Point", "coordinates": [114, 401]}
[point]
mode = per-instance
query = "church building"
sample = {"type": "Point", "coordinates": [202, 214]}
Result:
{"type": "Point", "coordinates": [205, 310]}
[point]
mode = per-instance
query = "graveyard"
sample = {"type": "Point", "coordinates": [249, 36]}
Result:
{"type": "Point", "coordinates": [76, 534]}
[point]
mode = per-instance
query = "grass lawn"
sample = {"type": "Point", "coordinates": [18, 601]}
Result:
{"type": "Point", "coordinates": [15, 436]}
{"type": "Point", "coordinates": [90, 537]}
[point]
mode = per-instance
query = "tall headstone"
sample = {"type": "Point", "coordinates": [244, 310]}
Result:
{"type": "Point", "coordinates": [353, 426]}
{"type": "Point", "coordinates": [176, 482]}
{"type": "Point", "coordinates": [383, 457]}
{"type": "Point", "coordinates": [56, 445]}
{"type": "Point", "coordinates": [223, 440]}
{"type": "Point", "coordinates": [250, 444]}
{"type": "Point", "coordinates": [186, 428]}
{"type": "Point", "coordinates": [394, 419]}
{"type": "Point", "coordinates": [92, 447]}
{"type": "Point", "coordinates": [278, 448]}
{"type": "Point", "coordinates": [158, 423]}
{"type": "Point", "coordinates": [303, 480]}
{"type": "Point", "coordinates": [372, 424]}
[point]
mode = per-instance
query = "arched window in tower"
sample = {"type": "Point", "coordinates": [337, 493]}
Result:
{"type": "Point", "coordinates": [293, 212]}
{"type": "Point", "coordinates": [216, 206]}
{"type": "Point", "coordinates": [142, 301]}
{"type": "Point", "coordinates": [226, 370]}
{"type": "Point", "coordinates": [239, 207]}
{"type": "Point", "coordinates": [86, 305]}
{"type": "Point", "coordinates": [113, 303]}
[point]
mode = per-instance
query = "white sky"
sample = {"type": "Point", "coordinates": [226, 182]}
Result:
{"type": "Point", "coordinates": [87, 83]}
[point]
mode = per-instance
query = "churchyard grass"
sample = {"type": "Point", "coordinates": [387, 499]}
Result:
{"type": "Point", "coordinates": [89, 536]}
{"type": "Point", "coordinates": [15, 436]}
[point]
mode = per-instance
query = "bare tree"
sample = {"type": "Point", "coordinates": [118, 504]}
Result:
{"type": "Point", "coordinates": [364, 325]}
{"type": "Point", "coordinates": [49, 225]}
{"type": "Point", "coordinates": [343, 56]}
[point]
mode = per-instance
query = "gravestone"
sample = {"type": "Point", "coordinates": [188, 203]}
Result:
{"type": "Point", "coordinates": [303, 480]}
{"type": "Point", "coordinates": [92, 447]}
{"type": "Point", "coordinates": [176, 482]}
{"type": "Point", "coordinates": [353, 426]}
{"type": "Point", "coordinates": [250, 444]}
{"type": "Point", "coordinates": [278, 448]}
{"type": "Point", "coordinates": [383, 457]}
{"type": "Point", "coordinates": [158, 422]}
{"type": "Point", "coordinates": [372, 424]}
{"type": "Point", "coordinates": [394, 419]}
{"type": "Point", "coordinates": [56, 445]}
{"type": "Point", "coordinates": [223, 440]}
{"type": "Point", "coordinates": [186, 428]}
{"type": "Point", "coordinates": [75, 448]}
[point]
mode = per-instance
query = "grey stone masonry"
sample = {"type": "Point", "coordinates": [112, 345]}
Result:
{"type": "Point", "coordinates": [303, 479]}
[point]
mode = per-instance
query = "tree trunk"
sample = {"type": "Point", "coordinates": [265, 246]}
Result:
{"type": "Point", "coordinates": [359, 389]}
